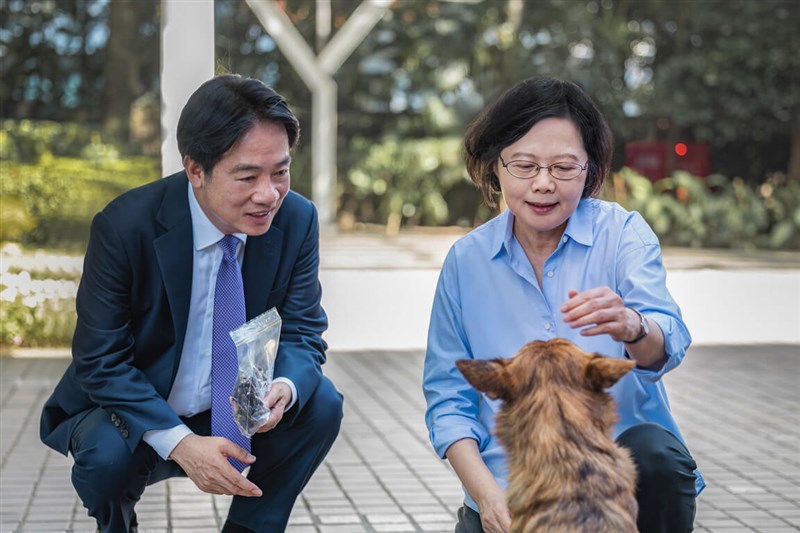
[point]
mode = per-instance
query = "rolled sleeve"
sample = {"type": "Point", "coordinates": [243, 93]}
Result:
{"type": "Point", "coordinates": [676, 340]}
{"type": "Point", "coordinates": [450, 429]}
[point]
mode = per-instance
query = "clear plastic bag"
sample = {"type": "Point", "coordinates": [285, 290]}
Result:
{"type": "Point", "coordinates": [256, 346]}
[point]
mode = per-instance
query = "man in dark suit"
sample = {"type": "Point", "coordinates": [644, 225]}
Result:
{"type": "Point", "coordinates": [133, 407]}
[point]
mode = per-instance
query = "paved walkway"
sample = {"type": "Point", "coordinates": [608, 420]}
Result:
{"type": "Point", "coordinates": [739, 408]}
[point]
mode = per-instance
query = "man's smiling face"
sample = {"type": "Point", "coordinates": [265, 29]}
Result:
{"type": "Point", "coordinates": [248, 184]}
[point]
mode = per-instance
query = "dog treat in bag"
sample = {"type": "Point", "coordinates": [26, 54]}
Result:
{"type": "Point", "coordinates": [256, 346]}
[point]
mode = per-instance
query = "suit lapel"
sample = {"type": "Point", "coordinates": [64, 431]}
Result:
{"type": "Point", "coordinates": [175, 257]}
{"type": "Point", "coordinates": [260, 265]}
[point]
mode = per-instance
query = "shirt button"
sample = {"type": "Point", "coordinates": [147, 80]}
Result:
{"type": "Point", "coordinates": [550, 274]}
{"type": "Point", "coordinates": [564, 239]}
{"type": "Point", "coordinates": [547, 326]}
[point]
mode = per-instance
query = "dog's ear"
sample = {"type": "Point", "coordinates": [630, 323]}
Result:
{"type": "Point", "coordinates": [489, 376]}
{"type": "Point", "coordinates": [602, 372]}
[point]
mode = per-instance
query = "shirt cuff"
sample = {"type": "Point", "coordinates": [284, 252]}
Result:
{"type": "Point", "coordinates": [292, 387]}
{"type": "Point", "coordinates": [163, 441]}
{"type": "Point", "coordinates": [443, 436]}
{"type": "Point", "coordinates": [675, 343]}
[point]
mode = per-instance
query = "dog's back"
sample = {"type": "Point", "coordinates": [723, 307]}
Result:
{"type": "Point", "coordinates": [566, 474]}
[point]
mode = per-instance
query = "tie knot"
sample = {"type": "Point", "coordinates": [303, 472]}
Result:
{"type": "Point", "coordinates": [228, 244]}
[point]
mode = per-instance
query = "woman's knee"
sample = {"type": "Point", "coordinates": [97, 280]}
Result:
{"type": "Point", "coordinates": [660, 457]}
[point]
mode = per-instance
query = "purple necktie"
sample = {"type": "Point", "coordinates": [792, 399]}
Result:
{"type": "Point", "coordinates": [229, 314]}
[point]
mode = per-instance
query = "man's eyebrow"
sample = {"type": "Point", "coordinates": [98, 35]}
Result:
{"type": "Point", "coordinates": [249, 167]}
{"type": "Point", "coordinates": [245, 167]}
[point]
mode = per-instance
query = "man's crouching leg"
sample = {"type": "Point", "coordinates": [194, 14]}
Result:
{"type": "Point", "coordinates": [286, 457]}
{"type": "Point", "coordinates": [109, 479]}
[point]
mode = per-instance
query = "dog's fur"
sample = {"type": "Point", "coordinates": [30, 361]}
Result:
{"type": "Point", "coordinates": [565, 472]}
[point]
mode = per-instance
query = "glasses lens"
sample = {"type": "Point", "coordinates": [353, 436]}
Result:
{"type": "Point", "coordinates": [523, 169]}
{"type": "Point", "coordinates": [565, 171]}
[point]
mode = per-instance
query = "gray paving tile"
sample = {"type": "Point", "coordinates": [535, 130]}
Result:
{"type": "Point", "coordinates": [736, 405]}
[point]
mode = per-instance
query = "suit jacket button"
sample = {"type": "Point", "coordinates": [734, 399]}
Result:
{"type": "Point", "coordinates": [124, 433]}
{"type": "Point", "coordinates": [114, 417]}
{"type": "Point", "coordinates": [117, 422]}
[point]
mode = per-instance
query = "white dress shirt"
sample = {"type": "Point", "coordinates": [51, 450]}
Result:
{"type": "Point", "coordinates": [191, 390]}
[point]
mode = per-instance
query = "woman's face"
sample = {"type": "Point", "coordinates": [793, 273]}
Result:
{"type": "Point", "coordinates": [542, 205]}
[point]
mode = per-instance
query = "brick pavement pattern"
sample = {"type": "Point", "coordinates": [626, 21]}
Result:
{"type": "Point", "coordinates": [739, 408]}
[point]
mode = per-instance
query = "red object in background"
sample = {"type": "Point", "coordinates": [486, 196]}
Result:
{"type": "Point", "coordinates": [649, 158]}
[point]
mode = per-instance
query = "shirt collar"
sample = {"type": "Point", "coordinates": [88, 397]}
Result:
{"type": "Point", "coordinates": [205, 233]}
{"type": "Point", "coordinates": [579, 228]}
{"type": "Point", "coordinates": [579, 225]}
{"type": "Point", "coordinates": [503, 233]}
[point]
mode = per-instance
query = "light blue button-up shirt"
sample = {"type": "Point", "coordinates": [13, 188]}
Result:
{"type": "Point", "coordinates": [488, 304]}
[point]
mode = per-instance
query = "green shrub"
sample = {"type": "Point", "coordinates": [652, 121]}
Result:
{"type": "Point", "coordinates": [28, 140]}
{"type": "Point", "coordinates": [63, 194]}
{"type": "Point", "coordinates": [713, 212]}
{"type": "Point", "coordinates": [37, 308]}
{"type": "Point", "coordinates": [15, 219]}
{"type": "Point", "coordinates": [400, 181]}
{"type": "Point", "coordinates": [50, 322]}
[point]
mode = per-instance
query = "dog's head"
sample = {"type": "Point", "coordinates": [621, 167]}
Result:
{"type": "Point", "coordinates": [553, 362]}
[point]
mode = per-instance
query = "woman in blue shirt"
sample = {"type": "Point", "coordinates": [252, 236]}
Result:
{"type": "Point", "coordinates": [556, 263]}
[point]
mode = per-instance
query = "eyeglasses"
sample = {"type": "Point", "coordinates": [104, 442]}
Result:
{"type": "Point", "coordinates": [525, 170]}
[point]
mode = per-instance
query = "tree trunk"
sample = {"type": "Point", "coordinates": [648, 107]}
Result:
{"type": "Point", "coordinates": [794, 154]}
{"type": "Point", "coordinates": [121, 69]}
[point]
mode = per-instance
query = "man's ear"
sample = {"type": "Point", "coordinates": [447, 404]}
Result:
{"type": "Point", "coordinates": [489, 376]}
{"type": "Point", "coordinates": [602, 372]}
{"type": "Point", "coordinates": [194, 171]}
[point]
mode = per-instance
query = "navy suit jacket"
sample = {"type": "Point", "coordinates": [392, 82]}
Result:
{"type": "Point", "coordinates": [133, 307]}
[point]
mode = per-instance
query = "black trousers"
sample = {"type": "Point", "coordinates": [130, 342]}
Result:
{"type": "Point", "coordinates": [666, 483]}
{"type": "Point", "coordinates": [110, 480]}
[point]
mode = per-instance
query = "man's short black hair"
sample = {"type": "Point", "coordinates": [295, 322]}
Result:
{"type": "Point", "coordinates": [224, 108]}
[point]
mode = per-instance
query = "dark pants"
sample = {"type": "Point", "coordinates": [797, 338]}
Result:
{"type": "Point", "coordinates": [665, 490]}
{"type": "Point", "coordinates": [110, 480]}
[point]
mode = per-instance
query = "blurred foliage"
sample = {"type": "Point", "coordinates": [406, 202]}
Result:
{"type": "Point", "coordinates": [15, 219]}
{"type": "Point", "coordinates": [727, 73]}
{"type": "Point", "coordinates": [403, 182]}
{"type": "Point", "coordinates": [37, 322]}
{"type": "Point", "coordinates": [78, 61]}
{"type": "Point", "coordinates": [53, 198]}
{"type": "Point", "coordinates": [28, 140]}
{"type": "Point", "coordinates": [713, 212]}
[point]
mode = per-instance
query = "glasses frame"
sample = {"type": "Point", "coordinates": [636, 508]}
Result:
{"type": "Point", "coordinates": [540, 167]}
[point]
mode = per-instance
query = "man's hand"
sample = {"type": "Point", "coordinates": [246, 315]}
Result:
{"type": "Point", "coordinates": [205, 461]}
{"type": "Point", "coordinates": [277, 399]}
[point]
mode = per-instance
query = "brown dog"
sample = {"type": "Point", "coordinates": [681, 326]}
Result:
{"type": "Point", "coordinates": [565, 472]}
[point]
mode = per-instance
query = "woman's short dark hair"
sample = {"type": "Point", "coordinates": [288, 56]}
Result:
{"type": "Point", "coordinates": [514, 114]}
{"type": "Point", "coordinates": [224, 108]}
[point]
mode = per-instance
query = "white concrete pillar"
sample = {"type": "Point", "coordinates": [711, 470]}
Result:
{"type": "Point", "coordinates": [187, 60]}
